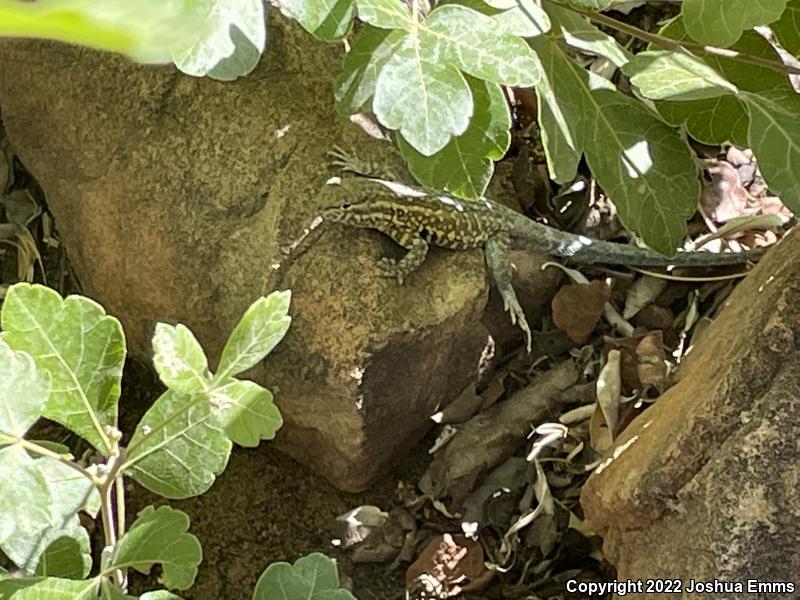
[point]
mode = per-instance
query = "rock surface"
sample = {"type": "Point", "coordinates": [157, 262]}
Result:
{"type": "Point", "coordinates": [706, 483]}
{"type": "Point", "coordinates": [173, 196]}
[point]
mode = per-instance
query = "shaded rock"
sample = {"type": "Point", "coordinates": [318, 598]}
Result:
{"type": "Point", "coordinates": [173, 196]}
{"type": "Point", "coordinates": [708, 479]}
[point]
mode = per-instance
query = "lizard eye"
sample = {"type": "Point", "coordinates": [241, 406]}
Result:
{"type": "Point", "coordinates": [345, 206]}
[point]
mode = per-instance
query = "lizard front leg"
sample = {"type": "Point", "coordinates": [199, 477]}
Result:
{"type": "Point", "coordinates": [417, 251]}
{"type": "Point", "coordinates": [496, 250]}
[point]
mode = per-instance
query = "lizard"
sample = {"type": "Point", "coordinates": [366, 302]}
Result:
{"type": "Point", "coordinates": [416, 219]}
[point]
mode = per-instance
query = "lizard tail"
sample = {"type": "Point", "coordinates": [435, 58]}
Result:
{"type": "Point", "coordinates": [531, 235]}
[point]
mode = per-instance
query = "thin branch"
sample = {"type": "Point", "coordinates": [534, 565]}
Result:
{"type": "Point", "coordinates": [42, 451]}
{"type": "Point", "coordinates": [677, 46]}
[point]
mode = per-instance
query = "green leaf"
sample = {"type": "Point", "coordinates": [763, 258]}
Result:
{"type": "Point", "coordinates": [718, 120]}
{"type": "Point", "coordinates": [524, 18]}
{"type": "Point", "coordinates": [356, 84]}
{"type": "Point", "coordinates": [248, 414]}
{"type": "Point", "coordinates": [235, 36]}
{"type": "Point", "coordinates": [640, 162]}
{"type": "Point", "coordinates": [49, 588]}
{"type": "Point", "coordinates": [65, 557]}
{"type": "Point", "coordinates": [774, 135]}
{"type": "Point", "coordinates": [415, 77]}
{"type": "Point", "coordinates": [23, 391]}
{"type": "Point", "coordinates": [327, 20]}
{"type": "Point", "coordinates": [579, 33]}
{"type": "Point", "coordinates": [387, 14]}
{"type": "Point", "coordinates": [259, 330]}
{"type": "Point", "coordinates": [721, 22]}
{"type": "Point", "coordinates": [179, 359]}
{"type": "Point", "coordinates": [312, 577]}
{"type": "Point", "coordinates": [25, 498]}
{"type": "Point", "coordinates": [177, 450]}
{"type": "Point", "coordinates": [592, 4]}
{"type": "Point", "coordinates": [461, 36]}
{"type": "Point", "coordinates": [146, 30]}
{"type": "Point", "coordinates": [668, 75]}
{"type": "Point", "coordinates": [81, 347]}
{"type": "Point", "coordinates": [70, 492]}
{"type": "Point", "coordinates": [787, 28]}
{"type": "Point", "coordinates": [465, 166]}
{"type": "Point", "coordinates": [159, 536]}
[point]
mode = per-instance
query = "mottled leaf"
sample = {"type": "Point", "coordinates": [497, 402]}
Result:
{"type": "Point", "coordinates": [81, 347]}
{"type": "Point", "coordinates": [247, 413]}
{"type": "Point", "coordinates": [465, 165]}
{"type": "Point", "coordinates": [668, 75]}
{"type": "Point", "coordinates": [787, 28]}
{"type": "Point", "coordinates": [179, 359]}
{"type": "Point", "coordinates": [387, 14]}
{"type": "Point", "coordinates": [159, 536]}
{"type": "Point", "coordinates": [312, 577]}
{"type": "Point", "coordinates": [259, 330]}
{"type": "Point", "coordinates": [370, 51]}
{"type": "Point", "coordinates": [416, 77]}
{"type": "Point", "coordinates": [327, 20]}
{"type": "Point", "coordinates": [721, 22]}
{"type": "Point", "coordinates": [774, 135]}
{"type": "Point", "coordinates": [177, 450]}
{"type": "Point", "coordinates": [23, 391]}
{"type": "Point", "coordinates": [232, 44]}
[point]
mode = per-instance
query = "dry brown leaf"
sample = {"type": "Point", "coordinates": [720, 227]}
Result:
{"type": "Point", "coordinates": [449, 565]}
{"type": "Point", "coordinates": [577, 309]}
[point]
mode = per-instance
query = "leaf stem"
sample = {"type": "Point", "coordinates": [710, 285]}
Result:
{"type": "Point", "coordinates": [42, 451]}
{"type": "Point", "coordinates": [683, 46]}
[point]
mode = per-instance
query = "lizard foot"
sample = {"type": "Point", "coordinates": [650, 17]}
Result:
{"type": "Point", "coordinates": [390, 268]}
{"type": "Point", "coordinates": [350, 162]}
{"type": "Point", "coordinates": [516, 313]}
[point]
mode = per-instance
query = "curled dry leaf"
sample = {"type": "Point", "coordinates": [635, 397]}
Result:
{"type": "Point", "coordinates": [604, 421]}
{"type": "Point", "coordinates": [577, 309]}
{"type": "Point", "coordinates": [644, 291]}
{"type": "Point", "coordinates": [650, 365]}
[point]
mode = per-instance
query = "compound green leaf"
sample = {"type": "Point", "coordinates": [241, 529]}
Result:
{"type": "Point", "coordinates": [639, 161]}
{"type": "Point", "coordinates": [147, 30]}
{"type": "Point", "coordinates": [370, 51]}
{"type": "Point", "coordinates": [81, 347]}
{"type": "Point", "coordinates": [721, 22]}
{"type": "Point", "coordinates": [247, 413]}
{"type": "Point", "coordinates": [774, 135]}
{"type": "Point", "coordinates": [327, 20]}
{"type": "Point", "coordinates": [179, 359]}
{"type": "Point", "coordinates": [723, 119]}
{"type": "Point", "coordinates": [524, 18]}
{"type": "Point", "coordinates": [416, 77]}
{"type": "Point", "coordinates": [31, 549]}
{"type": "Point", "coordinates": [23, 392]}
{"type": "Point", "coordinates": [49, 588]}
{"type": "Point", "coordinates": [464, 166]}
{"type": "Point", "coordinates": [591, 4]}
{"type": "Point", "coordinates": [787, 28]}
{"type": "Point", "coordinates": [177, 450]}
{"type": "Point", "coordinates": [461, 36]}
{"type": "Point", "coordinates": [387, 14]}
{"type": "Point", "coordinates": [312, 577]}
{"type": "Point", "coordinates": [678, 76]}
{"type": "Point", "coordinates": [159, 536]}
{"type": "Point", "coordinates": [66, 557]}
{"type": "Point", "coordinates": [579, 33]}
{"type": "Point", "coordinates": [233, 42]}
{"type": "Point", "coordinates": [25, 498]}
{"type": "Point", "coordinates": [259, 330]}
